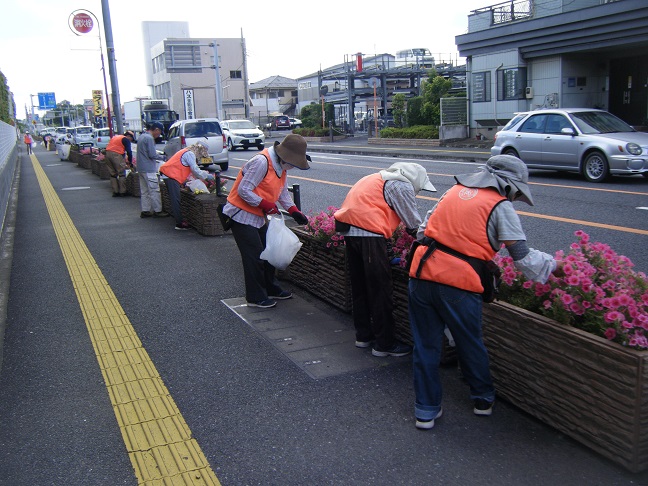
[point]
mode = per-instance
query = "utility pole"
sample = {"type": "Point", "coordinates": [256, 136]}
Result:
{"type": "Point", "coordinates": [112, 66]}
{"type": "Point", "coordinates": [246, 91]}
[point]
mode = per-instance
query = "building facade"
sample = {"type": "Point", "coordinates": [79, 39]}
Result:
{"type": "Point", "coordinates": [528, 54]}
{"type": "Point", "coordinates": [186, 72]}
{"type": "Point", "coordinates": [276, 95]}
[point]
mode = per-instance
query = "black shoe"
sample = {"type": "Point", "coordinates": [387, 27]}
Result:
{"type": "Point", "coordinates": [483, 407]}
{"type": "Point", "coordinates": [116, 194]}
{"type": "Point", "coordinates": [146, 214]}
{"type": "Point", "coordinates": [283, 295]}
{"type": "Point", "coordinates": [161, 214]}
{"type": "Point", "coordinates": [398, 349]}
{"type": "Point", "coordinates": [265, 304]}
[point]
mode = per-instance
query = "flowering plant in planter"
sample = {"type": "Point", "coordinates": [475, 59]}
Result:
{"type": "Point", "coordinates": [322, 228]}
{"type": "Point", "coordinates": [599, 292]}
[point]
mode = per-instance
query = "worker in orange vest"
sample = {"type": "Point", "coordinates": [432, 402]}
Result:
{"type": "Point", "coordinates": [117, 149]}
{"type": "Point", "coordinates": [369, 215]}
{"type": "Point", "coordinates": [259, 186]}
{"type": "Point", "coordinates": [468, 225]}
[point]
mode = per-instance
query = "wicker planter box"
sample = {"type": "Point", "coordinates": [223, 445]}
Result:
{"type": "Point", "coordinates": [133, 184]}
{"type": "Point", "coordinates": [104, 173]}
{"type": "Point", "coordinates": [85, 161]}
{"type": "Point", "coordinates": [199, 210]}
{"type": "Point", "coordinates": [75, 157]}
{"type": "Point", "coordinates": [587, 387]}
{"type": "Point", "coordinates": [94, 166]}
{"type": "Point", "coordinates": [164, 195]}
{"type": "Point", "coordinates": [322, 271]}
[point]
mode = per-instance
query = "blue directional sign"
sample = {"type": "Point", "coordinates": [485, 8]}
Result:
{"type": "Point", "coordinates": [46, 101]}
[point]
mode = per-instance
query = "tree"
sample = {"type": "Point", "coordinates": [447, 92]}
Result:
{"type": "Point", "coordinates": [414, 115]}
{"type": "Point", "coordinates": [398, 110]}
{"type": "Point", "coordinates": [311, 115]}
{"type": "Point", "coordinates": [435, 88]}
{"type": "Point", "coordinates": [7, 105]}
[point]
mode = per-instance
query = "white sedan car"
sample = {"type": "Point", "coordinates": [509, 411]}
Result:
{"type": "Point", "coordinates": [242, 133]}
{"type": "Point", "coordinates": [295, 123]}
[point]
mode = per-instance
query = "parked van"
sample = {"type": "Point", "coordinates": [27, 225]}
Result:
{"type": "Point", "coordinates": [82, 135]}
{"type": "Point", "coordinates": [184, 133]}
{"type": "Point", "coordinates": [100, 137]}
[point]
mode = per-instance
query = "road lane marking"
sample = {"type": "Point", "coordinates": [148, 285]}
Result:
{"type": "Point", "coordinates": [159, 442]}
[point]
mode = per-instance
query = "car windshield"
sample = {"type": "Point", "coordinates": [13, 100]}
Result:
{"type": "Point", "coordinates": [591, 122]}
{"type": "Point", "coordinates": [241, 124]}
{"type": "Point", "coordinates": [160, 116]}
{"type": "Point", "coordinates": [84, 130]}
{"type": "Point", "coordinates": [203, 129]}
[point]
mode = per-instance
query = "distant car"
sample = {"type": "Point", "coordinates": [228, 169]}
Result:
{"type": "Point", "coordinates": [295, 123]}
{"type": "Point", "coordinates": [242, 133]}
{"type": "Point", "coordinates": [280, 122]}
{"type": "Point", "coordinates": [82, 135]}
{"type": "Point", "coordinates": [100, 137]}
{"type": "Point", "coordinates": [184, 133]}
{"type": "Point", "coordinates": [592, 142]}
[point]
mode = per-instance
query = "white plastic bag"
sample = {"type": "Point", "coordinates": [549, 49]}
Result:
{"type": "Point", "coordinates": [281, 244]}
{"type": "Point", "coordinates": [197, 186]}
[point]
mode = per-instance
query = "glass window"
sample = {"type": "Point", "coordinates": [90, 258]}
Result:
{"type": "Point", "coordinates": [235, 74]}
{"type": "Point", "coordinates": [511, 83]}
{"type": "Point", "coordinates": [534, 124]}
{"type": "Point", "coordinates": [599, 122]}
{"type": "Point", "coordinates": [481, 86]}
{"type": "Point", "coordinates": [555, 123]}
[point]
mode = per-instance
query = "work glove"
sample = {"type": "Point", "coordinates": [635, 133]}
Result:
{"type": "Point", "coordinates": [297, 215]}
{"type": "Point", "coordinates": [210, 177]}
{"type": "Point", "coordinates": [268, 208]}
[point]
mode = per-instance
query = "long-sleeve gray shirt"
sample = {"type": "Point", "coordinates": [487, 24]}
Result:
{"type": "Point", "coordinates": [147, 156]}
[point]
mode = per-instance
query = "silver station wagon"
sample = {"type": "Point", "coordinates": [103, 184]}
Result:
{"type": "Point", "coordinates": [592, 142]}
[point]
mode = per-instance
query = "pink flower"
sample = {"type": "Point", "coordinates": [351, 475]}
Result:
{"type": "Point", "coordinates": [610, 333]}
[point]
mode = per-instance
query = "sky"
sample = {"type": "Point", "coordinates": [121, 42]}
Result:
{"type": "Point", "coordinates": [39, 53]}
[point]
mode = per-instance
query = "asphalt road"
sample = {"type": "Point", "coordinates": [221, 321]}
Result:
{"type": "Point", "coordinates": [259, 419]}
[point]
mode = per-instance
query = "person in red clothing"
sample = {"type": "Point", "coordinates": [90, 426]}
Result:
{"type": "Point", "coordinates": [259, 186]}
{"type": "Point", "coordinates": [118, 147]}
{"type": "Point", "coordinates": [28, 142]}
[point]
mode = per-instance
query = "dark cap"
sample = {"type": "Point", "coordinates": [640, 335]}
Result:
{"type": "Point", "coordinates": [129, 133]}
{"type": "Point", "coordinates": [156, 125]}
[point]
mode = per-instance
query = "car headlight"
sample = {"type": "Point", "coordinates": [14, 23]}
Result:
{"type": "Point", "coordinates": [633, 149]}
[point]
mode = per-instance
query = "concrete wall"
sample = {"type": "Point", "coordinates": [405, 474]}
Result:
{"type": "Point", "coordinates": [8, 163]}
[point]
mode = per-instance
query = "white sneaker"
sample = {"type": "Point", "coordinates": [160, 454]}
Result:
{"type": "Point", "coordinates": [427, 424]}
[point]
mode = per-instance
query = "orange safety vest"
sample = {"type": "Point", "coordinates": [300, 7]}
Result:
{"type": "Point", "coordinates": [115, 145]}
{"type": "Point", "coordinates": [460, 222]}
{"type": "Point", "coordinates": [174, 169]}
{"type": "Point", "coordinates": [269, 189]}
{"type": "Point", "coordinates": [365, 207]}
{"type": "Point", "coordinates": [28, 139]}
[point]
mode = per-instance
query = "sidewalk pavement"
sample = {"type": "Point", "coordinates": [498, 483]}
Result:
{"type": "Point", "coordinates": [254, 387]}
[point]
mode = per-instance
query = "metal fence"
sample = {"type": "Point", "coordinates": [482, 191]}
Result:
{"type": "Point", "coordinates": [8, 157]}
{"type": "Point", "coordinates": [454, 111]}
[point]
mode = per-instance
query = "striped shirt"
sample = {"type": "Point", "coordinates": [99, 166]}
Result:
{"type": "Point", "coordinates": [254, 171]}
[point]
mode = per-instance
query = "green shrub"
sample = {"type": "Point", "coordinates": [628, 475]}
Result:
{"type": "Point", "coordinates": [418, 131]}
{"type": "Point", "coordinates": [312, 132]}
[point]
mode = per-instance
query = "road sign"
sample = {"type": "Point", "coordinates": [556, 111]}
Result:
{"type": "Point", "coordinates": [46, 101]}
{"type": "Point", "coordinates": [97, 99]}
{"type": "Point", "coordinates": [82, 22]}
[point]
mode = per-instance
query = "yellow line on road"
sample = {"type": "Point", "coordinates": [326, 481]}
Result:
{"type": "Point", "coordinates": [579, 222]}
{"type": "Point", "coordinates": [160, 445]}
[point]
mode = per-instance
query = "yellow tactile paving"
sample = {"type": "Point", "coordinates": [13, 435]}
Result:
{"type": "Point", "coordinates": [158, 440]}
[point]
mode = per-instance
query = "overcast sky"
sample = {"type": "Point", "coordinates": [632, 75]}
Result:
{"type": "Point", "coordinates": [39, 53]}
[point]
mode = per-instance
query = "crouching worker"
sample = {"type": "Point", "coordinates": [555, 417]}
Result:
{"type": "Point", "coordinates": [259, 186]}
{"type": "Point", "coordinates": [370, 213]}
{"type": "Point", "coordinates": [177, 169]}
{"type": "Point", "coordinates": [471, 221]}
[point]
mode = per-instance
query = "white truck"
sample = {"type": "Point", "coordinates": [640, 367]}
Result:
{"type": "Point", "coordinates": [139, 113]}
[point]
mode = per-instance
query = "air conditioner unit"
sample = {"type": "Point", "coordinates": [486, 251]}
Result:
{"type": "Point", "coordinates": [529, 92]}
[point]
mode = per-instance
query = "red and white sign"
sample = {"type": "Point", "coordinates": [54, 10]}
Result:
{"type": "Point", "coordinates": [82, 22]}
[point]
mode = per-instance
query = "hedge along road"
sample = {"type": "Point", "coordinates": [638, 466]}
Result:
{"type": "Point", "coordinates": [159, 442]}
{"type": "Point", "coordinates": [564, 203]}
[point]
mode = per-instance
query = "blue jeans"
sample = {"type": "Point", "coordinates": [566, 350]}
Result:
{"type": "Point", "coordinates": [432, 306]}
